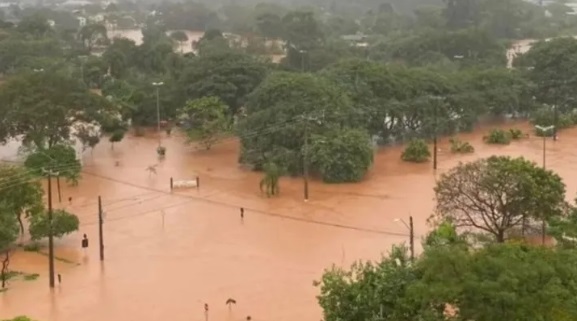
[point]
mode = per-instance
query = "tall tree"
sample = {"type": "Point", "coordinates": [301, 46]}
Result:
{"type": "Point", "coordinates": [229, 75]}
{"type": "Point", "coordinates": [180, 37]}
{"type": "Point", "coordinates": [20, 193]}
{"type": "Point", "coordinates": [549, 65]}
{"type": "Point", "coordinates": [8, 235]}
{"type": "Point", "coordinates": [42, 107]}
{"type": "Point", "coordinates": [462, 13]}
{"type": "Point", "coordinates": [496, 194]}
{"type": "Point", "coordinates": [280, 114]}
{"type": "Point", "coordinates": [205, 120]}
{"type": "Point", "coordinates": [59, 159]}
{"type": "Point", "coordinates": [93, 34]}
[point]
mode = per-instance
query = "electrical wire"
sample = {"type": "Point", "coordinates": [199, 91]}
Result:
{"type": "Point", "coordinates": [191, 198]}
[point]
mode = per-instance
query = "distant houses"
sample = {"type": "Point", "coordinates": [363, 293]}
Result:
{"type": "Point", "coordinates": [356, 40]}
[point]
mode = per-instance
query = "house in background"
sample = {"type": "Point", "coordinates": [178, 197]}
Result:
{"type": "Point", "coordinates": [356, 40]}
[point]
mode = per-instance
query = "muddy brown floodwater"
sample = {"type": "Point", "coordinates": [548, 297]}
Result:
{"type": "Point", "coordinates": [168, 254]}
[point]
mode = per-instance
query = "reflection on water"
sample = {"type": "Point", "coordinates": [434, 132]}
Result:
{"type": "Point", "coordinates": [169, 253]}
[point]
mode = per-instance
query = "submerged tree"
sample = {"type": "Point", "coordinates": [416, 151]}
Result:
{"type": "Point", "coordinates": [341, 156]}
{"type": "Point", "coordinates": [205, 120]}
{"type": "Point", "coordinates": [20, 193]}
{"type": "Point", "coordinates": [63, 223]}
{"type": "Point", "coordinates": [54, 103]}
{"type": "Point", "coordinates": [8, 235]}
{"type": "Point", "coordinates": [270, 182]}
{"type": "Point", "coordinates": [59, 159]}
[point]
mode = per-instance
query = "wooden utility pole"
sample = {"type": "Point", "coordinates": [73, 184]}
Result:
{"type": "Point", "coordinates": [306, 164]}
{"type": "Point", "coordinates": [50, 233]}
{"type": "Point", "coordinates": [412, 236]}
{"type": "Point", "coordinates": [100, 232]}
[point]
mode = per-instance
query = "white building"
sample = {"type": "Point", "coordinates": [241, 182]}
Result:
{"type": "Point", "coordinates": [81, 21]}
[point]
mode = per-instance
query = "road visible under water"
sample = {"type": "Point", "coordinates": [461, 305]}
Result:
{"type": "Point", "coordinates": [168, 254]}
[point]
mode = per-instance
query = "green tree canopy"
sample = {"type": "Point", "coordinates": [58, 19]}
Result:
{"type": "Point", "coordinates": [63, 223]}
{"type": "Point", "coordinates": [20, 193]}
{"type": "Point", "coordinates": [452, 281]}
{"type": "Point", "coordinates": [549, 65]}
{"type": "Point", "coordinates": [205, 120]}
{"type": "Point", "coordinates": [280, 113]}
{"type": "Point", "coordinates": [43, 106]}
{"type": "Point", "coordinates": [341, 156]}
{"type": "Point", "coordinates": [59, 159]}
{"type": "Point", "coordinates": [229, 75]}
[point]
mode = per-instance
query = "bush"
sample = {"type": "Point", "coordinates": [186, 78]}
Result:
{"type": "Point", "coordinates": [161, 150]}
{"type": "Point", "coordinates": [32, 247]}
{"type": "Point", "coordinates": [416, 151]}
{"type": "Point", "coordinates": [342, 155]}
{"type": "Point", "coordinates": [498, 136]}
{"type": "Point", "coordinates": [116, 136]}
{"type": "Point", "coordinates": [460, 147]}
{"type": "Point", "coordinates": [516, 133]}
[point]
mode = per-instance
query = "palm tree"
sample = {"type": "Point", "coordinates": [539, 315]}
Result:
{"type": "Point", "coordinates": [269, 183]}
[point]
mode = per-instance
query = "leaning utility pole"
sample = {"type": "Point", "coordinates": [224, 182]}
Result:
{"type": "Point", "coordinates": [100, 232]}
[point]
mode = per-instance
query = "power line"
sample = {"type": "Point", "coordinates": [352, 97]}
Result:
{"type": "Point", "coordinates": [191, 198]}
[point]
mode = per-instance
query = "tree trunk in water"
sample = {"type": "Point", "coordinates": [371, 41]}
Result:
{"type": "Point", "coordinates": [501, 236]}
{"type": "Point", "coordinates": [58, 186]}
{"type": "Point", "coordinates": [21, 224]}
{"type": "Point", "coordinates": [4, 271]}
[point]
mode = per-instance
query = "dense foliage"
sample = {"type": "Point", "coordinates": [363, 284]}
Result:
{"type": "Point", "coordinates": [282, 112]}
{"type": "Point", "coordinates": [341, 157]}
{"type": "Point", "coordinates": [416, 151]}
{"type": "Point", "coordinates": [493, 282]}
{"type": "Point", "coordinates": [347, 75]}
{"type": "Point", "coordinates": [205, 120]}
{"type": "Point", "coordinates": [63, 223]}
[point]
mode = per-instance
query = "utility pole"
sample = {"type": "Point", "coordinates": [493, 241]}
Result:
{"type": "Point", "coordinates": [411, 229]}
{"type": "Point", "coordinates": [306, 164]}
{"type": "Point", "coordinates": [412, 236]}
{"type": "Point", "coordinates": [555, 120]}
{"type": "Point", "coordinates": [435, 138]}
{"type": "Point", "coordinates": [100, 233]}
{"type": "Point", "coordinates": [59, 190]}
{"type": "Point", "coordinates": [544, 131]}
{"type": "Point", "coordinates": [50, 232]}
{"type": "Point", "coordinates": [157, 85]}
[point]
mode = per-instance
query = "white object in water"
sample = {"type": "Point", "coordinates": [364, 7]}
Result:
{"type": "Point", "coordinates": [184, 184]}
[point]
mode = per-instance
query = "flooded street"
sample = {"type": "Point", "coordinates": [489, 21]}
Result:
{"type": "Point", "coordinates": [166, 254]}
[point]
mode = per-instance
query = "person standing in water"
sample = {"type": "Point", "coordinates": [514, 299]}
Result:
{"type": "Point", "coordinates": [206, 312]}
{"type": "Point", "coordinates": [85, 244]}
{"type": "Point", "coordinates": [242, 213]}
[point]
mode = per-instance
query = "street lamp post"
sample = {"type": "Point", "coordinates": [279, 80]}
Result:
{"type": "Point", "coordinates": [157, 85]}
{"type": "Point", "coordinates": [411, 229]}
{"type": "Point", "coordinates": [544, 131]}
